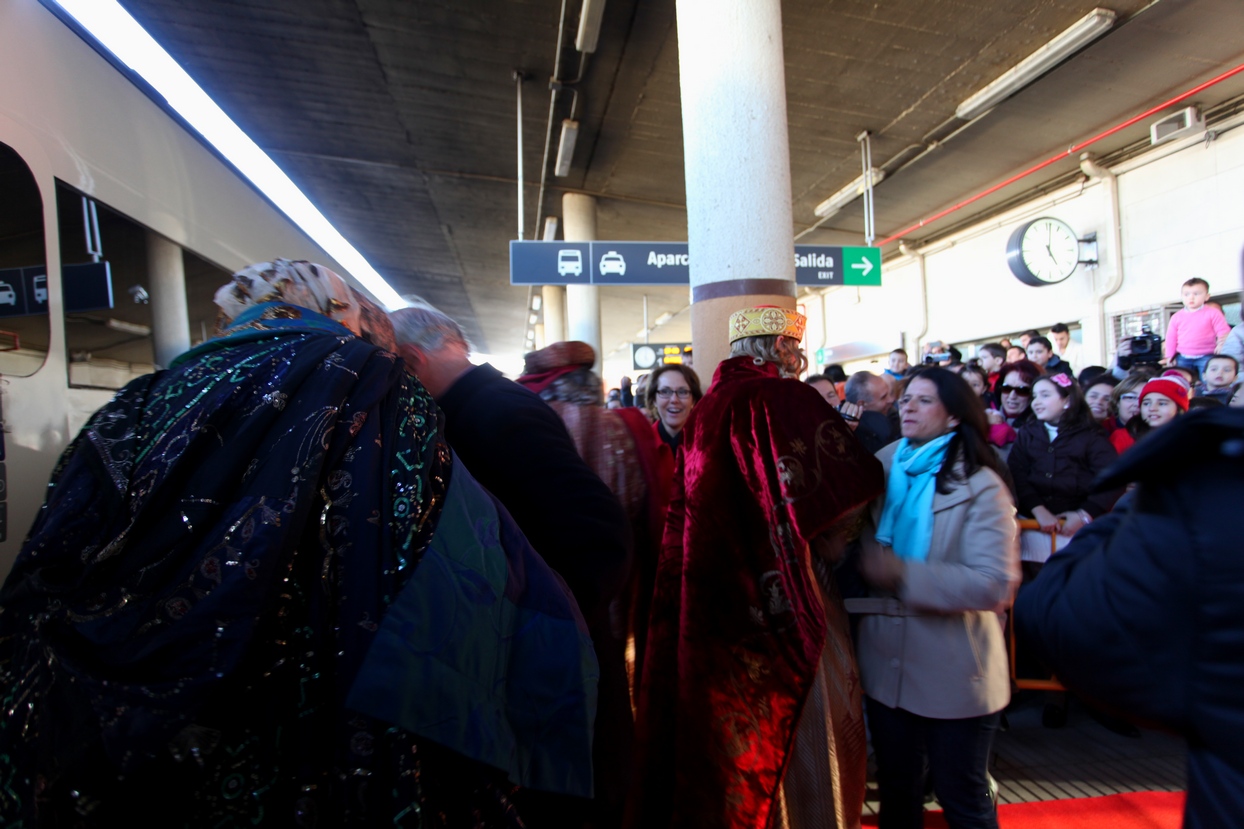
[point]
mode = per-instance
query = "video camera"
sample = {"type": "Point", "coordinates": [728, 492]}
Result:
{"type": "Point", "coordinates": [1147, 348]}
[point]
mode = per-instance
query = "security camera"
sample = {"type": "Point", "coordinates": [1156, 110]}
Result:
{"type": "Point", "coordinates": [141, 297]}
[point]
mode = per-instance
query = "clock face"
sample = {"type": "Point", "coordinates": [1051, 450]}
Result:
{"type": "Point", "coordinates": [645, 357]}
{"type": "Point", "coordinates": [1043, 252]}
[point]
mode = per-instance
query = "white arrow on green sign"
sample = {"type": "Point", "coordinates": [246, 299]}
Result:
{"type": "Point", "coordinates": [861, 266]}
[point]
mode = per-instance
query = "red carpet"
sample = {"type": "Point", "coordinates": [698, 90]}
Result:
{"type": "Point", "coordinates": [1135, 810]}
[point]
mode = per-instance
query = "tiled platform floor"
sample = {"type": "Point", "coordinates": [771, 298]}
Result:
{"type": "Point", "coordinates": [1082, 759]}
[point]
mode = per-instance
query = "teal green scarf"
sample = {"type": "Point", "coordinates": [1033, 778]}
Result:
{"type": "Point", "coordinates": [907, 520]}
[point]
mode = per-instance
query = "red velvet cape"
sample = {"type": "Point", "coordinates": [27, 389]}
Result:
{"type": "Point", "coordinates": [737, 626]}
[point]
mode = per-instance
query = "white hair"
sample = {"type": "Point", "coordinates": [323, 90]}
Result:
{"type": "Point", "coordinates": [775, 348]}
{"type": "Point", "coordinates": [426, 328]}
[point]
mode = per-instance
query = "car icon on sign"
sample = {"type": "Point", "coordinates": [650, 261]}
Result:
{"type": "Point", "coordinates": [612, 262]}
{"type": "Point", "coordinates": [569, 262]}
{"type": "Point", "coordinates": [41, 289]}
{"type": "Point", "coordinates": [7, 295]}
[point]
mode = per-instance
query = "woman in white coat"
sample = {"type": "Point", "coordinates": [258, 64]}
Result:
{"type": "Point", "coordinates": [942, 558]}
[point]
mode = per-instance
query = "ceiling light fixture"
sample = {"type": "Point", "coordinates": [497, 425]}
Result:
{"type": "Point", "coordinates": [590, 18]}
{"type": "Point", "coordinates": [550, 228]}
{"type": "Point", "coordinates": [664, 318]}
{"type": "Point", "coordinates": [121, 34]}
{"type": "Point", "coordinates": [135, 328]}
{"type": "Point", "coordinates": [847, 194]}
{"type": "Point", "coordinates": [535, 302]}
{"type": "Point", "coordinates": [565, 147]}
{"type": "Point", "coordinates": [1078, 35]}
{"type": "Point", "coordinates": [533, 319]}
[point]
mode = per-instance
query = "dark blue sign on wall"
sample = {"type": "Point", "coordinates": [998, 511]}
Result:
{"type": "Point", "coordinates": [24, 291]}
{"type": "Point", "coordinates": [668, 263]}
{"type": "Point", "coordinates": [87, 287]}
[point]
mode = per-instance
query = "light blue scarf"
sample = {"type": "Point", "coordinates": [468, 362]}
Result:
{"type": "Point", "coordinates": [907, 520]}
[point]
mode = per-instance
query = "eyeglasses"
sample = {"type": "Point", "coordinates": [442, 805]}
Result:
{"type": "Point", "coordinates": [1022, 391]}
{"type": "Point", "coordinates": [666, 394]}
{"type": "Point", "coordinates": [1133, 396]}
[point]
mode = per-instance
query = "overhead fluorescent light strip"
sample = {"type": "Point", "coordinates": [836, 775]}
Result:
{"type": "Point", "coordinates": [122, 35]}
{"type": "Point", "coordinates": [565, 147]}
{"type": "Point", "coordinates": [1078, 35]}
{"type": "Point", "coordinates": [590, 18]}
{"type": "Point", "coordinates": [847, 194]}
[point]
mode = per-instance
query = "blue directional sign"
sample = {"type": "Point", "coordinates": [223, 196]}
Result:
{"type": "Point", "coordinates": [17, 287]}
{"type": "Point", "coordinates": [668, 263]}
{"type": "Point", "coordinates": [87, 287]}
{"type": "Point", "coordinates": [550, 263]}
{"type": "Point", "coordinates": [640, 263]}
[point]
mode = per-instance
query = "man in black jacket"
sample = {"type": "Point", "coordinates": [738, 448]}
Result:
{"type": "Point", "coordinates": [1144, 611]}
{"type": "Point", "coordinates": [519, 449]}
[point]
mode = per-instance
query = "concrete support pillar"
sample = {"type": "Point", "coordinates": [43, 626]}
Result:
{"type": "Point", "coordinates": [737, 161]}
{"type": "Point", "coordinates": [553, 299]}
{"type": "Point", "coordinates": [582, 301]}
{"type": "Point", "coordinates": [170, 317]}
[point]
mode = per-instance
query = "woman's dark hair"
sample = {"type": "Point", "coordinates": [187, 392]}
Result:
{"type": "Point", "coordinates": [1078, 414]}
{"type": "Point", "coordinates": [979, 372]}
{"type": "Point", "coordinates": [1096, 375]}
{"type": "Point", "coordinates": [693, 380]}
{"type": "Point", "coordinates": [835, 373]}
{"type": "Point", "coordinates": [1205, 403]}
{"type": "Point", "coordinates": [970, 443]}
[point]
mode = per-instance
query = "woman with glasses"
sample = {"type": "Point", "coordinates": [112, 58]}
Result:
{"type": "Point", "coordinates": [1013, 409]}
{"type": "Point", "coordinates": [1126, 399]}
{"type": "Point", "coordinates": [674, 391]}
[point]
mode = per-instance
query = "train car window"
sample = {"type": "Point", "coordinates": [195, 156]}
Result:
{"type": "Point", "coordinates": [107, 311]}
{"type": "Point", "coordinates": [24, 333]}
{"type": "Point", "coordinates": [203, 279]}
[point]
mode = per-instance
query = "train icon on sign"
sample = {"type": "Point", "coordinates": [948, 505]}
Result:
{"type": "Point", "coordinates": [569, 263]}
{"type": "Point", "coordinates": [612, 262]}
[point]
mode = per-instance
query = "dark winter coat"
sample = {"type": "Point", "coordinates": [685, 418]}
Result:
{"type": "Point", "coordinates": [519, 449]}
{"type": "Point", "coordinates": [1060, 475]}
{"type": "Point", "coordinates": [1144, 610]}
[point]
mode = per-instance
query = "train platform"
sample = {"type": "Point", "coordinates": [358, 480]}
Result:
{"type": "Point", "coordinates": [1082, 759]}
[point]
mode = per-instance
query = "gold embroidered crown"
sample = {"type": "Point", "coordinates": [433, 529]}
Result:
{"type": "Point", "coordinates": [767, 321]}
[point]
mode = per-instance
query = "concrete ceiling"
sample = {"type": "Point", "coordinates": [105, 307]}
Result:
{"type": "Point", "coordinates": [398, 118]}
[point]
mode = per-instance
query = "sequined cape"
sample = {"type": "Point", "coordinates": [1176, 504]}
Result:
{"type": "Point", "coordinates": [217, 551]}
{"type": "Point", "coordinates": [737, 627]}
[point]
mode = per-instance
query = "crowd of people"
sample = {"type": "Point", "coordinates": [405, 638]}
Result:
{"type": "Point", "coordinates": [324, 571]}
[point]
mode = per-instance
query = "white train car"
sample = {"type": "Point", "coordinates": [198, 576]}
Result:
{"type": "Point", "coordinates": [78, 137]}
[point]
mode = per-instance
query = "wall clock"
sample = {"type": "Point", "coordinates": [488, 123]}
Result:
{"type": "Point", "coordinates": [1043, 251]}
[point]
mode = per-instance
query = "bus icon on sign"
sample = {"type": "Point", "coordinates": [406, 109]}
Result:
{"type": "Point", "coordinates": [41, 289]}
{"type": "Point", "coordinates": [569, 263]}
